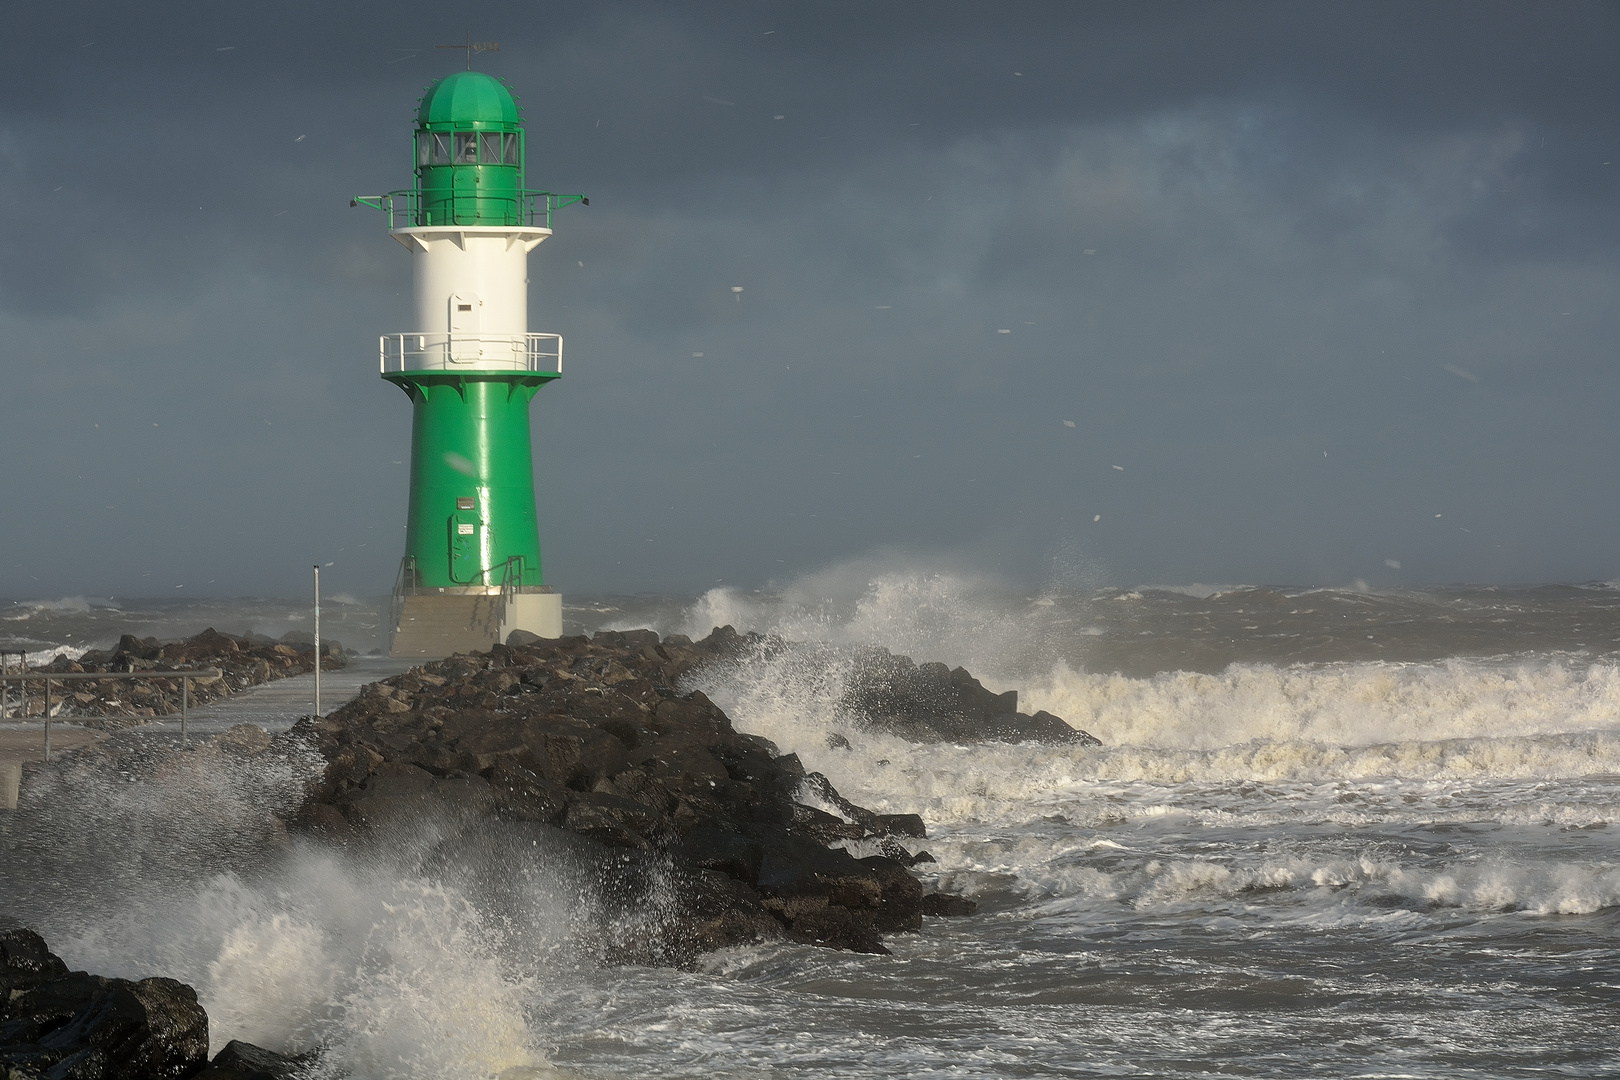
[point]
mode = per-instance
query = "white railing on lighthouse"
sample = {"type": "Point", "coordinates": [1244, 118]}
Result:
{"type": "Point", "coordinates": [538, 353]}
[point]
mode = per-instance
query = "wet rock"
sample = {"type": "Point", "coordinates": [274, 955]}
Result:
{"type": "Point", "coordinates": [931, 703]}
{"type": "Point", "coordinates": [244, 1061]}
{"type": "Point", "coordinates": [903, 825]}
{"type": "Point", "coordinates": [60, 1024]}
{"type": "Point", "coordinates": [943, 904]}
{"type": "Point", "coordinates": [244, 740]}
{"type": "Point", "coordinates": [25, 962]}
{"type": "Point", "coordinates": [834, 928]}
{"type": "Point", "coordinates": [716, 910]}
{"type": "Point", "coordinates": [900, 895]}
{"type": "Point", "coordinates": [523, 795]}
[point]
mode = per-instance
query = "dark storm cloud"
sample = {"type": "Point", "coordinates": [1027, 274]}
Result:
{"type": "Point", "coordinates": [1225, 239]}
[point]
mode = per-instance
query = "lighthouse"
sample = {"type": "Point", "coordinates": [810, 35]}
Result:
{"type": "Point", "coordinates": [471, 573]}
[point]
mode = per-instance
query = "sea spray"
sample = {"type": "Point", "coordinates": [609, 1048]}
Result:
{"type": "Point", "coordinates": [425, 958]}
{"type": "Point", "coordinates": [428, 996]}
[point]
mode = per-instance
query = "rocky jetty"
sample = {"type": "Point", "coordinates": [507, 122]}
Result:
{"type": "Point", "coordinates": [57, 1024]}
{"type": "Point", "coordinates": [593, 737]}
{"type": "Point", "coordinates": [246, 661]}
{"type": "Point", "coordinates": [931, 703]}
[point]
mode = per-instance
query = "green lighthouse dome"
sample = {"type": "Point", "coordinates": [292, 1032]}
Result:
{"type": "Point", "coordinates": [469, 100]}
{"type": "Point", "coordinates": [469, 153]}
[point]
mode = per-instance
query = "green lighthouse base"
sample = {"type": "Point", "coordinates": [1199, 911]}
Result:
{"type": "Point", "coordinates": [433, 623]}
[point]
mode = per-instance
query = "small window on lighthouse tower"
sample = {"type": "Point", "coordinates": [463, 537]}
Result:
{"type": "Point", "coordinates": [441, 148]}
{"type": "Point", "coordinates": [466, 347]}
{"type": "Point", "coordinates": [466, 148]}
{"type": "Point", "coordinates": [489, 147]}
{"type": "Point", "coordinates": [464, 313]}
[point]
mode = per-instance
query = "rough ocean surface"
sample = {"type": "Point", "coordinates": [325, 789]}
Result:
{"type": "Point", "coordinates": [1329, 831]}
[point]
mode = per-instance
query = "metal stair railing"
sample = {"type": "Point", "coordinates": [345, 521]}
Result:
{"type": "Point", "coordinates": [404, 583]}
{"type": "Point", "coordinates": [511, 581]}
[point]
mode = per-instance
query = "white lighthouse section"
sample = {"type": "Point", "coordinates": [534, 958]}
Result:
{"type": "Point", "coordinates": [471, 302]}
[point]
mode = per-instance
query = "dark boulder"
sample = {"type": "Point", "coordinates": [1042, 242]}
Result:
{"type": "Point", "coordinates": [943, 904]}
{"type": "Point", "coordinates": [903, 825]}
{"type": "Point", "coordinates": [931, 703]}
{"type": "Point", "coordinates": [25, 962]}
{"type": "Point", "coordinates": [244, 1061]}
{"type": "Point", "coordinates": [833, 927]}
{"type": "Point", "coordinates": [900, 899]}
{"type": "Point", "coordinates": [75, 1026]}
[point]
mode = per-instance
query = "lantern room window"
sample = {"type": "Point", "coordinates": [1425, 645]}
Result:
{"type": "Point", "coordinates": [466, 148]}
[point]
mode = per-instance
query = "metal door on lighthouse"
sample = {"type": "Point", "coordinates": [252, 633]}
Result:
{"type": "Point", "coordinates": [466, 547]}
{"type": "Point", "coordinates": [465, 342]}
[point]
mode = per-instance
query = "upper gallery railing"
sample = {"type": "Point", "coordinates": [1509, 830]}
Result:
{"type": "Point", "coordinates": [538, 353]}
{"type": "Point", "coordinates": [406, 209]}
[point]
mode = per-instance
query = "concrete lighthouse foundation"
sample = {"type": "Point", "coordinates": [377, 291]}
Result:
{"type": "Point", "coordinates": [471, 573]}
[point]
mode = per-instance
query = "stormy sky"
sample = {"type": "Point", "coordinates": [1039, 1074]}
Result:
{"type": "Point", "coordinates": [1068, 293]}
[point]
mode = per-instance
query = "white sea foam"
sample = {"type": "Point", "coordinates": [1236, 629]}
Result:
{"type": "Point", "coordinates": [41, 657]}
{"type": "Point", "coordinates": [1530, 719]}
{"type": "Point", "coordinates": [1197, 590]}
{"type": "Point", "coordinates": [77, 605]}
{"type": "Point", "coordinates": [1341, 704]}
{"type": "Point", "coordinates": [1330, 888]}
{"type": "Point", "coordinates": [1353, 721]}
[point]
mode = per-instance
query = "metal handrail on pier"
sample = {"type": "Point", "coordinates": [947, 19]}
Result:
{"type": "Point", "coordinates": [48, 677]}
{"type": "Point", "coordinates": [5, 669]}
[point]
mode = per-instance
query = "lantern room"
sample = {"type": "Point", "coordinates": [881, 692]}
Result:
{"type": "Point", "coordinates": [469, 153]}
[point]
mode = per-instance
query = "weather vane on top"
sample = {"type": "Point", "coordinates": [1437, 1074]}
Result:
{"type": "Point", "coordinates": [472, 46]}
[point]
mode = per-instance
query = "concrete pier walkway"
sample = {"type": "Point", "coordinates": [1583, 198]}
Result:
{"type": "Point", "coordinates": [274, 706]}
{"type": "Point", "coordinates": [277, 706]}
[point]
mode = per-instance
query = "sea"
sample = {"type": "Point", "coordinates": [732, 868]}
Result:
{"type": "Point", "coordinates": [1338, 832]}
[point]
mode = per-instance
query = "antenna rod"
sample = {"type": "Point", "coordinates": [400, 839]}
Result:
{"type": "Point", "coordinates": [317, 640]}
{"type": "Point", "coordinates": [470, 46]}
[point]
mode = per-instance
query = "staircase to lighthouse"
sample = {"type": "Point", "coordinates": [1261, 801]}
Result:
{"type": "Point", "coordinates": [472, 572]}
